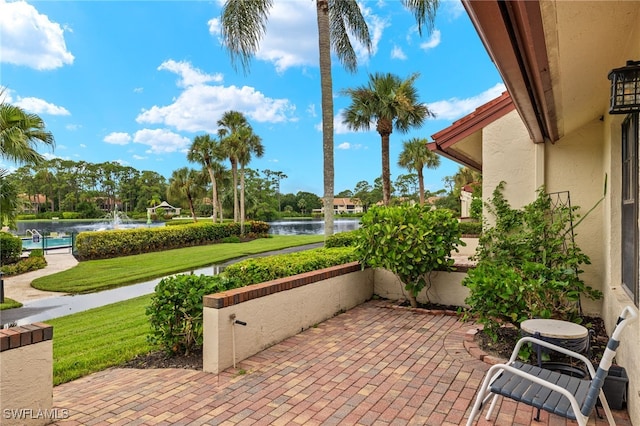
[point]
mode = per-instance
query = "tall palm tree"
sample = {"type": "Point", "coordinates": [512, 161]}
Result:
{"type": "Point", "coordinates": [206, 151]}
{"type": "Point", "coordinates": [229, 127]}
{"type": "Point", "coordinates": [243, 26]}
{"type": "Point", "coordinates": [415, 156]}
{"type": "Point", "coordinates": [20, 132]}
{"type": "Point", "coordinates": [186, 184]}
{"type": "Point", "coordinates": [251, 144]}
{"type": "Point", "coordinates": [391, 103]}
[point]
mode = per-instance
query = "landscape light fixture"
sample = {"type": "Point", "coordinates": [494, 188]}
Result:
{"type": "Point", "coordinates": [625, 89]}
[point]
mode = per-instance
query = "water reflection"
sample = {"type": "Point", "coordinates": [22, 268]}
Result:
{"type": "Point", "coordinates": [311, 227]}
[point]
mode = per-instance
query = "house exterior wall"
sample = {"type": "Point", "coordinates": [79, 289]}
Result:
{"type": "Point", "coordinates": [507, 155]}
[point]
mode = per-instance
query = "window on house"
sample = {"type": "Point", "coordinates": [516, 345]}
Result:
{"type": "Point", "coordinates": [629, 214]}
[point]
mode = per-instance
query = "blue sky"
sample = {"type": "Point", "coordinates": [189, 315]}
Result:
{"type": "Point", "coordinates": [135, 82]}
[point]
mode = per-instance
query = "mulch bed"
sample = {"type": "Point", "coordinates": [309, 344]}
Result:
{"type": "Point", "coordinates": [160, 359]}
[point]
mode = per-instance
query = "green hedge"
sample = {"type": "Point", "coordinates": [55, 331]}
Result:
{"type": "Point", "coordinates": [34, 262]}
{"type": "Point", "coordinates": [125, 242]}
{"type": "Point", "coordinates": [257, 270]}
{"type": "Point", "coordinates": [342, 239]}
{"type": "Point", "coordinates": [470, 228]}
{"type": "Point", "coordinates": [10, 248]}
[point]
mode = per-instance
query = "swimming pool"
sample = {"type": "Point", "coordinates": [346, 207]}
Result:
{"type": "Point", "coordinates": [47, 242]}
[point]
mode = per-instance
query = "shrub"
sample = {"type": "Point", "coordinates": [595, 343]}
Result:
{"type": "Point", "coordinates": [409, 240]}
{"type": "Point", "coordinates": [470, 228]}
{"type": "Point", "coordinates": [175, 313]}
{"type": "Point", "coordinates": [528, 265]}
{"type": "Point", "coordinates": [10, 248]}
{"type": "Point", "coordinates": [342, 239]}
{"type": "Point", "coordinates": [257, 270]}
{"type": "Point", "coordinates": [31, 263]}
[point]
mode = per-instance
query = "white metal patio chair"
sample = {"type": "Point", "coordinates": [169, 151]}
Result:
{"type": "Point", "coordinates": [566, 396]}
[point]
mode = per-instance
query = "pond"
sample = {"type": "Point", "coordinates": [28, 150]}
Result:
{"type": "Point", "coordinates": [279, 227]}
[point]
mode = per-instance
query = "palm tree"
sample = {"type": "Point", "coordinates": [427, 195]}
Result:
{"type": "Point", "coordinates": [230, 125]}
{"type": "Point", "coordinates": [243, 26]}
{"type": "Point", "coordinates": [186, 184]}
{"type": "Point", "coordinates": [389, 102]}
{"type": "Point", "coordinates": [20, 132]}
{"type": "Point", "coordinates": [207, 151]}
{"type": "Point", "coordinates": [251, 144]}
{"type": "Point", "coordinates": [415, 156]}
{"type": "Point", "coordinates": [9, 200]}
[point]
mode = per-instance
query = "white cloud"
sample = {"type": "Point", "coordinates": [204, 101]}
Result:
{"type": "Point", "coordinates": [199, 106]}
{"type": "Point", "coordinates": [161, 141]}
{"type": "Point", "coordinates": [117, 138]}
{"type": "Point", "coordinates": [72, 127]}
{"type": "Point", "coordinates": [138, 90]}
{"type": "Point", "coordinates": [83, 145]}
{"type": "Point", "coordinates": [376, 27]}
{"type": "Point", "coordinates": [433, 41]}
{"type": "Point", "coordinates": [139, 157]}
{"type": "Point", "coordinates": [339, 128]}
{"type": "Point", "coordinates": [30, 39]}
{"type": "Point", "coordinates": [39, 106]}
{"type": "Point", "coordinates": [349, 146]}
{"type": "Point", "coordinates": [454, 9]}
{"type": "Point", "coordinates": [397, 53]}
{"type": "Point", "coordinates": [454, 108]}
{"type": "Point", "coordinates": [189, 76]}
{"type": "Point", "coordinates": [311, 110]}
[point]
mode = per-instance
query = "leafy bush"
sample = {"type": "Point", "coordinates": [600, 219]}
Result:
{"type": "Point", "coordinates": [470, 228]}
{"type": "Point", "coordinates": [175, 313]}
{"type": "Point", "coordinates": [10, 248]}
{"type": "Point", "coordinates": [342, 239]}
{"type": "Point", "coordinates": [528, 266]}
{"type": "Point", "coordinates": [257, 270]}
{"type": "Point", "coordinates": [34, 262]}
{"type": "Point", "coordinates": [409, 240]}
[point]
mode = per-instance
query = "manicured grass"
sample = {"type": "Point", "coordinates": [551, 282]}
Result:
{"type": "Point", "coordinates": [99, 338]}
{"type": "Point", "coordinates": [9, 304]}
{"type": "Point", "coordinates": [96, 275]}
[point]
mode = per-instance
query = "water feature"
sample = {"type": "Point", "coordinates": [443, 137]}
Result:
{"type": "Point", "coordinates": [311, 226]}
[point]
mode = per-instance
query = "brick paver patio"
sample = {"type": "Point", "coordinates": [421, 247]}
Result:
{"type": "Point", "coordinates": [373, 365]}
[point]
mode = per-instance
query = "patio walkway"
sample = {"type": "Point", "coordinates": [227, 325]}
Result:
{"type": "Point", "coordinates": [373, 365]}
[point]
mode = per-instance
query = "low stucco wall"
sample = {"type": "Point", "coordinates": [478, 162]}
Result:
{"type": "Point", "coordinates": [276, 310]}
{"type": "Point", "coordinates": [446, 288]}
{"type": "Point", "coordinates": [26, 375]}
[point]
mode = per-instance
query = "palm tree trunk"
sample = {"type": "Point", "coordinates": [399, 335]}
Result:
{"type": "Point", "coordinates": [234, 172]}
{"type": "Point", "coordinates": [241, 200]}
{"type": "Point", "coordinates": [326, 88]}
{"type": "Point", "coordinates": [421, 186]}
{"type": "Point", "coordinates": [214, 193]}
{"type": "Point", "coordinates": [386, 172]}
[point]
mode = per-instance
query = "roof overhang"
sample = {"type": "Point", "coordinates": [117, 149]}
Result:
{"type": "Point", "coordinates": [462, 141]}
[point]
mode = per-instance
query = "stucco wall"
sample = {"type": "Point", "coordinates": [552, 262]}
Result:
{"type": "Point", "coordinates": [274, 317]}
{"type": "Point", "coordinates": [508, 155]}
{"type": "Point", "coordinates": [26, 385]}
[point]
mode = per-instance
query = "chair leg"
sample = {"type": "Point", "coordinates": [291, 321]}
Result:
{"type": "Point", "coordinates": [494, 400]}
{"type": "Point", "coordinates": [607, 410]}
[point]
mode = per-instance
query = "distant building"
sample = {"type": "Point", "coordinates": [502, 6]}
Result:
{"type": "Point", "coordinates": [344, 206]}
{"type": "Point", "coordinates": [168, 208]}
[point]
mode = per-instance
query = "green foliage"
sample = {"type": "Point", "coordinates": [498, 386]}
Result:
{"type": "Point", "coordinates": [470, 228]}
{"type": "Point", "coordinates": [31, 263]}
{"type": "Point", "coordinates": [125, 242]}
{"type": "Point", "coordinates": [410, 241]}
{"type": "Point", "coordinates": [476, 203]}
{"type": "Point", "coordinates": [342, 239]}
{"type": "Point", "coordinates": [257, 270]}
{"type": "Point", "coordinates": [528, 266]}
{"type": "Point", "coordinates": [175, 312]}
{"type": "Point", "coordinates": [10, 248]}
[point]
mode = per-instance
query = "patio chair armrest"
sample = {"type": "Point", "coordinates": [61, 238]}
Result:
{"type": "Point", "coordinates": [551, 346]}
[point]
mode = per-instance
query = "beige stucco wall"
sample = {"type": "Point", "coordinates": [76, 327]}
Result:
{"type": "Point", "coordinates": [26, 385]}
{"type": "Point", "coordinates": [271, 319]}
{"type": "Point", "coordinates": [508, 155]}
{"type": "Point", "coordinates": [446, 288]}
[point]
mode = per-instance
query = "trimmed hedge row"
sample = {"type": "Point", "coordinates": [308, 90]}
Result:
{"type": "Point", "coordinates": [34, 262]}
{"type": "Point", "coordinates": [125, 242]}
{"type": "Point", "coordinates": [257, 270]}
{"type": "Point", "coordinates": [342, 239]}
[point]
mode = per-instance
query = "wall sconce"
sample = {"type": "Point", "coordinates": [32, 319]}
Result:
{"type": "Point", "coordinates": [625, 88]}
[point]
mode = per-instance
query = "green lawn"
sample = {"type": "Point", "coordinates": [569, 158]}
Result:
{"type": "Point", "coordinates": [9, 304]}
{"type": "Point", "coordinates": [99, 338]}
{"type": "Point", "coordinates": [95, 275]}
